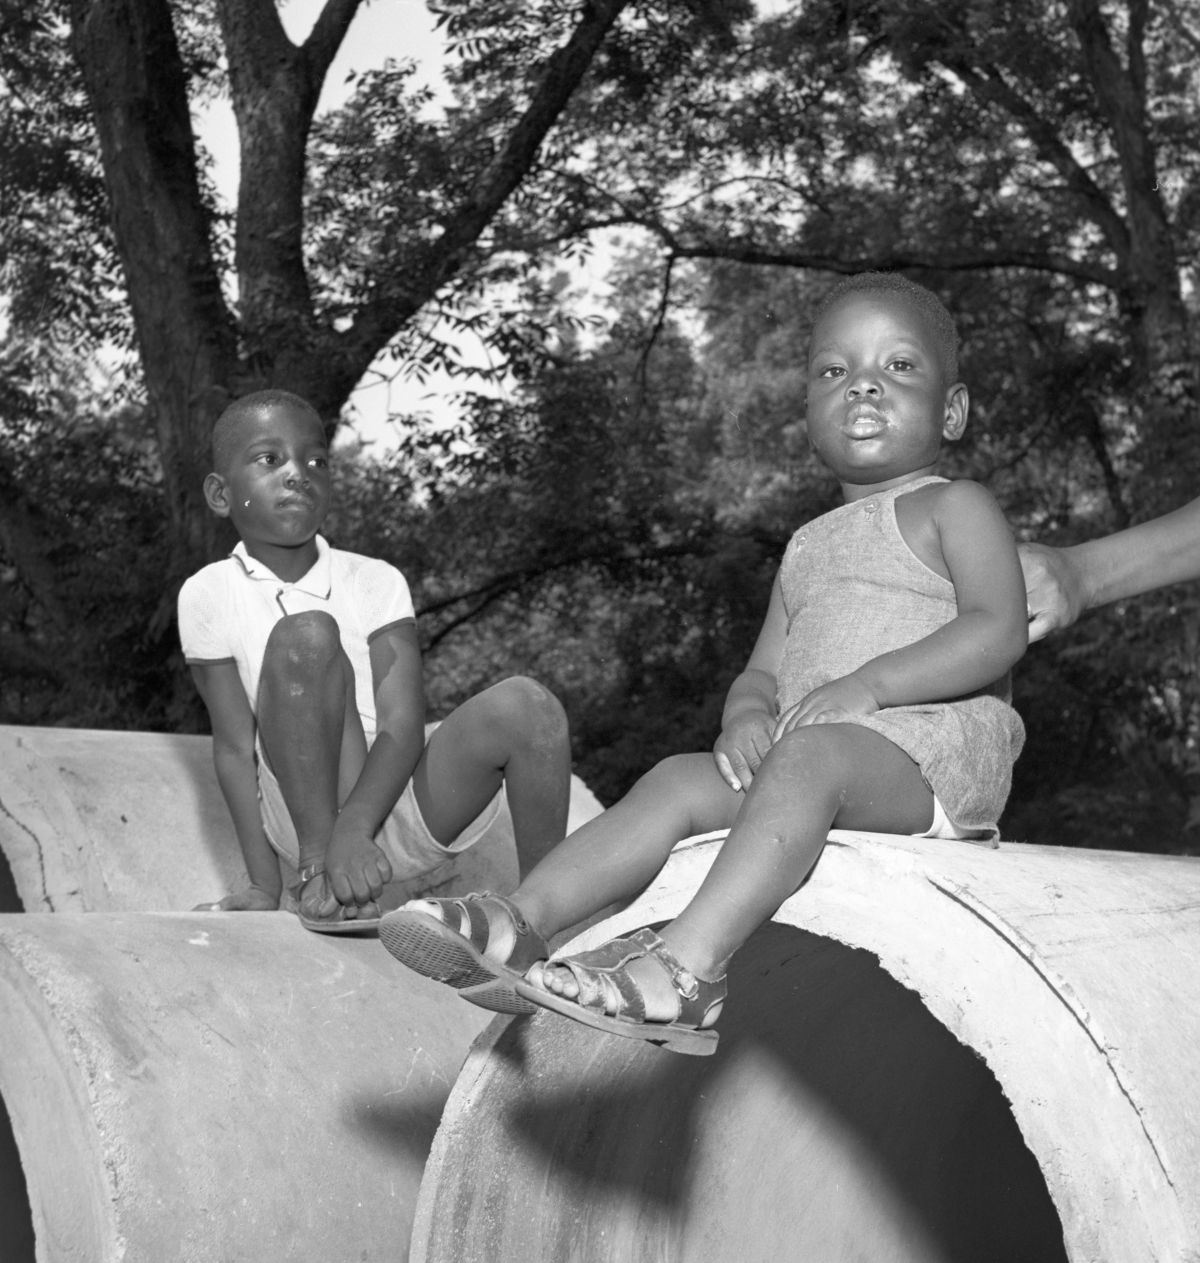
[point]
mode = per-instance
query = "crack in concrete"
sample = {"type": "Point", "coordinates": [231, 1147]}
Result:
{"type": "Point", "coordinates": [37, 847]}
{"type": "Point", "coordinates": [1065, 995]}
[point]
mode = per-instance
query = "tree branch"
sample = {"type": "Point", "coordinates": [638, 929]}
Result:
{"type": "Point", "coordinates": [991, 86]}
{"type": "Point", "coordinates": [401, 295]}
{"type": "Point", "coordinates": [326, 37]}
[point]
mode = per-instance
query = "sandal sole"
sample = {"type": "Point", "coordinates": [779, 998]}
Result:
{"type": "Point", "coordinates": [365, 925]}
{"type": "Point", "coordinates": [693, 1041]}
{"type": "Point", "coordinates": [435, 950]}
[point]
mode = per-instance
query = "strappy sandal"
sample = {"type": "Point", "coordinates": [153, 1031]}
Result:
{"type": "Point", "coordinates": [605, 983]}
{"type": "Point", "coordinates": [452, 950]}
{"type": "Point", "coordinates": [339, 922]}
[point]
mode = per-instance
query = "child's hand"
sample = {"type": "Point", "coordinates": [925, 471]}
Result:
{"type": "Point", "coordinates": [252, 899]}
{"type": "Point", "coordinates": [357, 870]}
{"type": "Point", "coordinates": [828, 704]}
{"type": "Point", "coordinates": [741, 747]}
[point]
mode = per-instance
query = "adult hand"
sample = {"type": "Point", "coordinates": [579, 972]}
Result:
{"type": "Point", "coordinates": [1053, 589]}
{"type": "Point", "coordinates": [829, 704]}
{"type": "Point", "coordinates": [741, 748]}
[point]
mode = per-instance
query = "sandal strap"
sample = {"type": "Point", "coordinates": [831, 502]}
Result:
{"type": "Point", "coordinates": [686, 984]}
{"type": "Point", "coordinates": [309, 871]}
{"type": "Point", "coordinates": [477, 927]}
{"type": "Point", "coordinates": [471, 921]}
{"type": "Point", "coordinates": [605, 985]}
{"type": "Point", "coordinates": [515, 914]}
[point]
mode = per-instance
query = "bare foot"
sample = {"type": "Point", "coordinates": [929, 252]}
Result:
{"type": "Point", "coordinates": [252, 899]}
{"type": "Point", "coordinates": [318, 903]}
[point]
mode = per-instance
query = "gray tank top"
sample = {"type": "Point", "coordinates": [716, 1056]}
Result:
{"type": "Point", "coordinates": [853, 589]}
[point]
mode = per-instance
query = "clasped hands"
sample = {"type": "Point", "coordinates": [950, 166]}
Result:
{"type": "Point", "coordinates": [356, 871]}
{"type": "Point", "coordinates": [745, 740]}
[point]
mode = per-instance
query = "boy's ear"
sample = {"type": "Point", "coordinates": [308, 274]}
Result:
{"type": "Point", "coordinates": [958, 404]}
{"type": "Point", "coordinates": [216, 494]}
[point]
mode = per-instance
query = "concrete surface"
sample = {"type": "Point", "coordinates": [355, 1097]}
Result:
{"type": "Point", "coordinates": [98, 821]}
{"type": "Point", "coordinates": [934, 1052]}
{"type": "Point", "coordinates": [186, 1088]}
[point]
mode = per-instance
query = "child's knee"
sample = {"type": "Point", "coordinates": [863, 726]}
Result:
{"type": "Point", "coordinates": [305, 643]}
{"type": "Point", "coordinates": [816, 751]}
{"type": "Point", "coordinates": [676, 773]}
{"type": "Point", "coordinates": [525, 708]}
{"type": "Point", "coordinates": [529, 705]}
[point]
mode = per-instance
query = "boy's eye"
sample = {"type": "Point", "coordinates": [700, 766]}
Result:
{"type": "Point", "coordinates": [833, 370]}
{"type": "Point", "coordinates": [319, 462]}
{"type": "Point", "coordinates": [901, 364]}
{"type": "Point", "coordinates": [267, 458]}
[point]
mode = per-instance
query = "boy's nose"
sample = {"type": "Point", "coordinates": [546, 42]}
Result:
{"type": "Point", "coordinates": [296, 476]}
{"type": "Point", "coordinates": [862, 385]}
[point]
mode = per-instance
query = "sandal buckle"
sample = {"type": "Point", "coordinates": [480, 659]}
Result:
{"type": "Point", "coordinates": [686, 983]}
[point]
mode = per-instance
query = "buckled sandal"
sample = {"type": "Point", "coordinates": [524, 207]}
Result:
{"type": "Point", "coordinates": [453, 950]}
{"type": "Point", "coordinates": [339, 922]}
{"type": "Point", "coordinates": [611, 1000]}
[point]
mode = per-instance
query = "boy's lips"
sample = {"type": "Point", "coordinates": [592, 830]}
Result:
{"type": "Point", "coordinates": [864, 422]}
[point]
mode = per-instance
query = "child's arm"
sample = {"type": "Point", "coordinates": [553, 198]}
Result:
{"type": "Point", "coordinates": [979, 645]}
{"type": "Point", "coordinates": [749, 717]}
{"type": "Point", "coordinates": [356, 868]}
{"type": "Point", "coordinates": [233, 729]}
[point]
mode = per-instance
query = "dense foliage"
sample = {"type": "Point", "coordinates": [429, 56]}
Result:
{"type": "Point", "coordinates": [609, 512]}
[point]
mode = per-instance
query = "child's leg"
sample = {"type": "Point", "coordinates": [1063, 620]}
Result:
{"type": "Point", "coordinates": [309, 725]}
{"type": "Point", "coordinates": [514, 733]}
{"type": "Point", "coordinates": [616, 854]}
{"type": "Point", "coordinates": [607, 860]}
{"type": "Point", "coordinates": [813, 778]}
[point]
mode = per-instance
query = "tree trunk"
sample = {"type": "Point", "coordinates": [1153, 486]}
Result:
{"type": "Point", "coordinates": [194, 354]}
{"type": "Point", "coordinates": [186, 340]}
{"type": "Point", "coordinates": [1166, 380]}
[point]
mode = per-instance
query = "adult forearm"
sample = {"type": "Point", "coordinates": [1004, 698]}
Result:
{"type": "Point", "coordinates": [1148, 556]}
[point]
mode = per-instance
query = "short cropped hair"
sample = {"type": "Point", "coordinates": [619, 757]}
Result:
{"type": "Point", "coordinates": [926, 300]}
{"type": "Point", "coordinates": [225, 430]}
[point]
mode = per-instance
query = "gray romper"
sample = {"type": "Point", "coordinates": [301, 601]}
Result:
{"type": "Point", "coordinates": [853, 590]}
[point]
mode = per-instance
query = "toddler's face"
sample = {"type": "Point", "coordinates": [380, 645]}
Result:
{"type": "Point", "coordinates": [879, 404]}
{"type": "Point", "coordinates": [278, 480]}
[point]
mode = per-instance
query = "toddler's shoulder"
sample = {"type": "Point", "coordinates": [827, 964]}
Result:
{"type": "Point", "coordinates": [961, 495]}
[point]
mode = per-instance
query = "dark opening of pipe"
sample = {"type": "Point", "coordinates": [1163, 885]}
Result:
{"type": "Point", "coordinates": [839, 1120]}
{"type": "Point", "coordinates": [16, 1219]}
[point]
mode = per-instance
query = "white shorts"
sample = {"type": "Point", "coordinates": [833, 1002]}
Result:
{"type": "Point", "coordinates": [404, 837]}
{"type": "Point", "coordinates": [943, 828]}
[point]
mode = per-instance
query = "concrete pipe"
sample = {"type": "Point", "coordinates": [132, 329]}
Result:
{"type": "Point", "coordinates": [934, 1052]}
{"type": "Point", "coordinates": [215, 1086]}
{"type": "Point", "coordinates": [95, 821]}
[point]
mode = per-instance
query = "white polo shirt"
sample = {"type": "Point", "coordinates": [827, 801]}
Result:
{"type": "Point", "coordinates": [227, 610]}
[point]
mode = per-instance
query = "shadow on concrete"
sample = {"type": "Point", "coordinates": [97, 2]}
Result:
{"type": "Point", "coordinates": [827, 1066]}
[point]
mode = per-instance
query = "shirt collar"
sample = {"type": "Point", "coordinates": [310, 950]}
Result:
{"type": "Point", "coordinates": [316, 582]}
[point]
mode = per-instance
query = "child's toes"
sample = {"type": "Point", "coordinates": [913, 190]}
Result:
{"type": "Point", "coordinates": [553, 978]}
{"type": "Point", "coordinates": [430, 907]}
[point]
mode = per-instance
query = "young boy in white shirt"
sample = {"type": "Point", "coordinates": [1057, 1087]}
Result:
{"type": "Point", "coordinates": [308, 662]}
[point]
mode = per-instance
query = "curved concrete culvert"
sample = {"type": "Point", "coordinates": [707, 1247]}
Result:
{"type": "Point", "coordinates": [202, 1086]}
{"type": "Point", "coordinates": [94, 821]}
{"type": "Point", "coordinates": [1030, 1091]}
